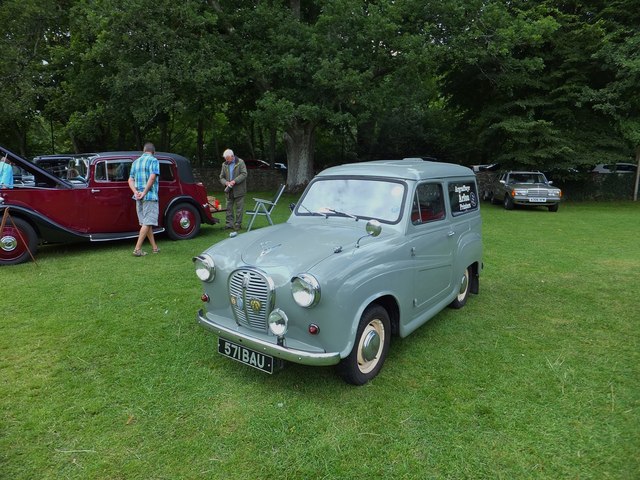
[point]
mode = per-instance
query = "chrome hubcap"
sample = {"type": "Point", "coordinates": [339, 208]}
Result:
{"type": "Point", "coordinates": [370, 346]}
{"type": "Point", "coordinates": [185, 223]}
{"type": "Point", "coordinates": [8, 243]}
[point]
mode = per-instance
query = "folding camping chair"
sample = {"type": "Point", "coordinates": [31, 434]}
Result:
{"type": "Point", "coordinates": [265, 207]}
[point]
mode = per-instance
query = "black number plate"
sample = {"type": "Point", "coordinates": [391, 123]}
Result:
{"type": "Point", "coordinates": [245, 355]}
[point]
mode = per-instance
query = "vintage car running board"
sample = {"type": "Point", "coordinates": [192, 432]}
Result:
{"type": "Point", "coordinates": [107, 237]}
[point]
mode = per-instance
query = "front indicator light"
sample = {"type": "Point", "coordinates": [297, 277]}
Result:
{"type": "Point", "coordinates": [278, 322]}
{"type": "Point", "coordinates": [205, 267]}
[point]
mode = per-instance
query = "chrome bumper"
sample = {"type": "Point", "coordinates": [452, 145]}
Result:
{"type": "Point", "coordinates": [318, 359]}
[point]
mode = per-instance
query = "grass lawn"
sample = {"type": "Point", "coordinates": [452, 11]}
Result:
{"type": "Point", "coordinates": [105, 374]}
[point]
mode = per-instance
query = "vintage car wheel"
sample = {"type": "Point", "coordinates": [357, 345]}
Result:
{"type": "Point", "coordinates": [508, 202]}
{"type": "Point", "coordinates": [461, 298]}
{"type": "Point", "coordinates": [183, 222]}
{"type": "Point", "coordinates": [16, 240]}
{"type": "Point", "coordinates": [371, 347]}
{"type": "Point", "coordinates": [553, 208]}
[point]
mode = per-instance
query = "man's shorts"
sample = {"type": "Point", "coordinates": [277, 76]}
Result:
{"type": "Point", "coordinates": [147, 212]}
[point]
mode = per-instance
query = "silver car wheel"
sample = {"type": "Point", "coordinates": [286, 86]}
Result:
{"type": "Point", "coordinates": [370, 346]}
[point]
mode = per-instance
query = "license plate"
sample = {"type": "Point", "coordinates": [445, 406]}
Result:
{"type": "Point", "coordinates": [538, 200]}
{"type": "Point", "coordinates": [245, 355]}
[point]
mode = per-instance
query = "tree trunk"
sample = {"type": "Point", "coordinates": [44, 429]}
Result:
{"type": "Point", "coordinates": [200, 143]}
{"type": "Point", "coordinates": [299, 140]}
{"type": "Point", "coordinates": [635, 187]}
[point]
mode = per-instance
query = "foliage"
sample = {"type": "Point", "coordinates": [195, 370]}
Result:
{"type": "Point", "coordinates": [106, 374]}
{"type": "Point", "coordinates": [546, 85]}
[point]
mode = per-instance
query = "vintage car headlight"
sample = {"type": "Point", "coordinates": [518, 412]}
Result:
{"type": "Point", "coordinates": [278, 322]}
{"type": "Point", "coordinates": [519, 191]}
{"type": "Point", "coordinates": [554, 193]}
{"type": "Point", "coordinates": [305, 290]}
{"type": "Point", "coordinates": [205, 267]}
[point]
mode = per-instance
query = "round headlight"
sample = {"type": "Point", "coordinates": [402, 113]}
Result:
{"type": "Point", "coordinates": [278, 322]}
{"type": "Point", "coordinates": [205, 268]}
{"type": "Point", "coordinates": [305, 290]}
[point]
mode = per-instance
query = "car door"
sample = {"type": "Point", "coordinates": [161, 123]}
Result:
{"type": "Point", "coordinates": [111, 207]}
{"type": "Point", "coordinates": [430, 245]}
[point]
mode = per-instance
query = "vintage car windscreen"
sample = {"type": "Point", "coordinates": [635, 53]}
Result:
{"type": "Point", "coordinates": [354, 197]}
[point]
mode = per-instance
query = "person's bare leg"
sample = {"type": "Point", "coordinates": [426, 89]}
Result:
{"type": "Point", "coordinates": [151, 238]}
{"type": "Point", "coordinates": [144, 229]}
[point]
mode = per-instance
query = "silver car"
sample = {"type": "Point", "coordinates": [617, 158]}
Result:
{"type": "Point", "coordinates": [525, 188]}
{"type": "Point", "coordinates": [370, 250]}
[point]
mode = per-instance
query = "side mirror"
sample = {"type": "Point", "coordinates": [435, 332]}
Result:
{"type": "Point", "coordinates": [502, 182]}
{"type": "Point", "coordinates": [292, 206]}
{"type": "Point", "coordinates": [550, 182]}
{"type": "Point", "coordinates": [373, 229]}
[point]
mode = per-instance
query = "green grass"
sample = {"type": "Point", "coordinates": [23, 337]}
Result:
{"type": "Point", "coordinates": [105, 374]}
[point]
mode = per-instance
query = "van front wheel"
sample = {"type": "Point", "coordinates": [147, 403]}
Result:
{"type": "Point", "coordinates": [370, 349]}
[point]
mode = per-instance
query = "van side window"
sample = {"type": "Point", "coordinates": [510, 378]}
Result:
{"type": "Point", "coordinates": [428, 204]}
{"type": "Point", "coordinates": [463, 197]}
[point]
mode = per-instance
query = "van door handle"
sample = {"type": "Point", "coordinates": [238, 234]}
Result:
{"type": "Point", "coordinates": [95, 190]}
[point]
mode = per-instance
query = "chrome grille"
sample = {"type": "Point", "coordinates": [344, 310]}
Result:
{"type": "Point", "coordinates": [251, 294]}
{"type": "Point", "coordinates": [537, 192]}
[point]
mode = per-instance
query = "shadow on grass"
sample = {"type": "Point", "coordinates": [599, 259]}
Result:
{"type": "Point", "coordinates": [210, 234]}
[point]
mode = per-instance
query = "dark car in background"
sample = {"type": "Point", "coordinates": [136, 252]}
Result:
{"type": "Point", "coordinates": [619, 168]}
{"type": "Point", "coordinates": [97, 204]}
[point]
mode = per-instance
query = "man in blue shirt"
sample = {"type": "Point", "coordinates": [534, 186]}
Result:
{"type": "Point", "coordinates": [143, 182]}
{"type": "Point", "coordinates": [6, 173]}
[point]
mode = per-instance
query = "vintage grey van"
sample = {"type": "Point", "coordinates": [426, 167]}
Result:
{"type": "Point", "coordinates": [370, 250]}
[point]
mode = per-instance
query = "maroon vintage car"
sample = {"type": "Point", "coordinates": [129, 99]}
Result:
{"type": "Point", "coordinates": [90, 200]}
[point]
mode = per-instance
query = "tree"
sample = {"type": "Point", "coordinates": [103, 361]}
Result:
{"type": "Point", "coordinates": [304, 67]}
{"type": "Point", "coordinates": [517, 75]}
{"type": "Point", "coordinates": [29, 29]}
{"type": "Point", "coordinates": [138, 70]}
{"type": "Point", "coordinates": [619, 57]}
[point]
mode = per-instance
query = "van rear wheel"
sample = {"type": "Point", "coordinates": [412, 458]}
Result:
{"type": "Point", "coordinates": [463, 295]}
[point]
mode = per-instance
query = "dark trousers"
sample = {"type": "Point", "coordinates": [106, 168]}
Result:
{"type": "Point", "coordinates": [235, 205]}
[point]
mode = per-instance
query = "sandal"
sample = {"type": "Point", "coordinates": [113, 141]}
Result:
{"type": "Point", "coordinates": [156, 250]}
{"type": "Point", "coordinates": [139, 253]}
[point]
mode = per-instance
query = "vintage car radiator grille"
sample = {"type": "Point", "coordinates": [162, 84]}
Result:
{"type": "Point", "coordinates": [251, 294]}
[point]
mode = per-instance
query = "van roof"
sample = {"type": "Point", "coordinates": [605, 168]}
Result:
{"type": "Point", "coordinates": [408, 169]}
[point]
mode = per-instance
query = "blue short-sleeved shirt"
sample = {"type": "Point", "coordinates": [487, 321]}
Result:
{"type": "Point", "coordinates": [6, 175]}
{"type": "Point", "coordinates": [141, 170]}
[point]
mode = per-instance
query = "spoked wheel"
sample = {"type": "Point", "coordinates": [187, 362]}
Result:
{"type": "Point", "coordinates": [183, 222]}
{"type": "Point", "coordinates": [461, 298]}
{"type": "Point", "coordinates": [371, 347]}
{"type": "Point", "coordinates": [16, 240]}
